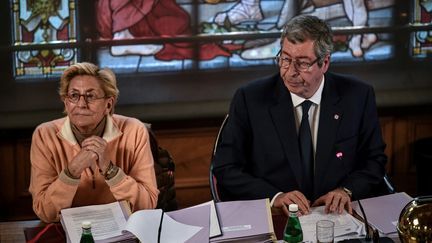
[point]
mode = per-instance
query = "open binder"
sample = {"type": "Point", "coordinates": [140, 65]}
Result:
{"type": "Point", "coordinates": [113, 222]}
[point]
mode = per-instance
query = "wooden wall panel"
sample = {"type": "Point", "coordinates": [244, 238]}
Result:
{"type": "Point", "coordinates": [7, 165]}
{"type": "Point", "coordinates": [16, 202]}
{"type": "Point", "coordinates": [406, 131]}
{"type": "Point", "coordinates": [23, 168]}
{"type": "Point", "coordinates": [403, 175]}
{"type": "Point", "coordinates": [191, 151]}
{"type": "Point", "coordinates": [418, 128]}
{"type": "Point", "coordinates": [387, 127]}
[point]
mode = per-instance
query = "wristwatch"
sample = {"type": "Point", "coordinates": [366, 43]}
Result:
{"type": "Point", "coordinates": [111, 171]}
{"type": "Point", "coordinates": [347, 191]}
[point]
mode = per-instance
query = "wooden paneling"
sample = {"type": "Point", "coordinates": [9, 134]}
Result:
{"type": "Point", "coordinates": [406, 132]}
{"type": "Point", "coordinates": [191, 150]}
{"type": "Point", "coordinates": [16, 202]}
{"type": "Point", "coordinates": [387, 128]}
{"type": "Point", "coordinates": [23, 167]}
{"type": "Point", "coordinates": [7, 164]}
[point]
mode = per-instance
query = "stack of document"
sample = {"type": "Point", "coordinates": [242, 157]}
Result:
{"type": "Point", "coordinates": [346, 226]}
{"type": "Point", "coordinates": [245, 221]}
{"type": "Point", "coordinates": [383, 212]}
{"type": "Point", "coordinates": [236, 221]}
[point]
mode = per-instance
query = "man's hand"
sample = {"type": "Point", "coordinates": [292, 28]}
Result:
{"type": "Point", "coordinates": [285, 199]}
{"type": "Point", "coordinates": [98, 146]}
{"type": "Point", "coordinates": [335, 201]}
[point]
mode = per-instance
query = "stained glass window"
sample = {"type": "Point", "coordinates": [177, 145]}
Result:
{"type": "Point", "coordinates": [181, 35]}
{"type": "Point", "coordinates": [421, 41]}
{"type": "Point", "coordinates": [46, 22]}
{"type": "Point", "coordinates": [264, 18]}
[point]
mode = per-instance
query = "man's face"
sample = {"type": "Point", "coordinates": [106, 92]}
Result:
{"type": "Point", "coordinates": [86, 115]}
{"type": "Point", "coordinates": [303, 82]}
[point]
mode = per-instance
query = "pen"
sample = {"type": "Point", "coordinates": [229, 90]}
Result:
{"type": "Point", "coordinates": [160, 226]}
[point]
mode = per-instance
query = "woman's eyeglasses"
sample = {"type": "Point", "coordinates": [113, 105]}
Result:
{"type": "Point", "coordinates": [88, 97]}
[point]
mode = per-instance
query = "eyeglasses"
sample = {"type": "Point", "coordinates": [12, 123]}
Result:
{"type": "Point", "coordinates": [301, 66]}
{"type": "Point", "coordinates": [88, 97]}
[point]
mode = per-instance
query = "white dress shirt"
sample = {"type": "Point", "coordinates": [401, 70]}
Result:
{"type": "Point", "coordinates": [314, 112]}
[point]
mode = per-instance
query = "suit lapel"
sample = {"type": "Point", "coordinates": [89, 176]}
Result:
{"type": "Point", "coordinates": [282, 114]}
{"type": "Point", "coordinates": [330, 116]}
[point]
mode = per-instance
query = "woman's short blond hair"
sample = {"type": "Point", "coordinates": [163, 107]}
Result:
{"type": "Point", "coordinates": [105, 76]}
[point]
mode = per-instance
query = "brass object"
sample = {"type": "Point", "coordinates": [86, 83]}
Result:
{"type": "Point", "coordinates": [415, 221]}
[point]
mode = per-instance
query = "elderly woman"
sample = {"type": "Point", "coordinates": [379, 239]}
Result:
{"type": "Point", "coordinates": [91, 156]}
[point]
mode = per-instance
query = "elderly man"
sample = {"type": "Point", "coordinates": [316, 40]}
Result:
{"type": "Point", "coordinates": [304, 135]}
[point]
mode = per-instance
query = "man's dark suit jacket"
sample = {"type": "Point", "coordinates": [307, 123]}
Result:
{"type": "Point", "coordinates": [258, 153]}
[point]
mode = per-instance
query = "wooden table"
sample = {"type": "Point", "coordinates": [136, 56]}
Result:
{"type": "Point", "coordinates": [14, 231]}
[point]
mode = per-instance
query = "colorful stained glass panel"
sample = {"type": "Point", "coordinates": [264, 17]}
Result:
{"type": "Point", "coordinates": [43, 22]}
{"type": "Point", "coordinates": [219, 17]}
{"type": "Point", "coordinates": [421, 41]}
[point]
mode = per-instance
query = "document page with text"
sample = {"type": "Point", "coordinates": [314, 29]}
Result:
{"type": "Point", "coordinates": [346, 226]}
{"type": "Point", "coordinates": [107, 220]}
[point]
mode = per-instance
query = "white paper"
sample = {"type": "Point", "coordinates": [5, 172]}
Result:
{"type": "Point", "coordinates": [142, 225]}
{"type": "Point", "coordinates": [109, 224]}
{"type": "Point", "coordinates": [346, 226]}
{"type": "Point", "coordinates": [107, 220]}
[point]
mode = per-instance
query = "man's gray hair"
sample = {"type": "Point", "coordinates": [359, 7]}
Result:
{"type": "Point", "coordinates": [306, 27]}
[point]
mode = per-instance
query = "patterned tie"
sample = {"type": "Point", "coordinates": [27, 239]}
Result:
{"type": "Point", "coordinates": [306, 150]}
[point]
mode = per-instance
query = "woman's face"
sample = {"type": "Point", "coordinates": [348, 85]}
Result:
{"type": "Point", "coordinates": [85, 103]}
